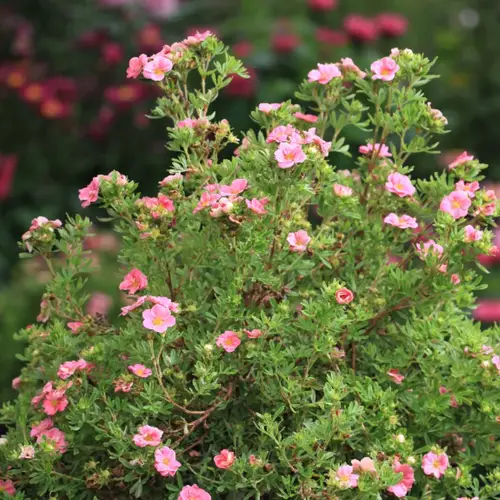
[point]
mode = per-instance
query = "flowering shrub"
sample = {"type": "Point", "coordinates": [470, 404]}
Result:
{"type": "Point", "coordinates": [261, 355]}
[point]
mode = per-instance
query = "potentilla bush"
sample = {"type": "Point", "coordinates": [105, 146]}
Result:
{"type": "Point", "coordinates": [292, 331]}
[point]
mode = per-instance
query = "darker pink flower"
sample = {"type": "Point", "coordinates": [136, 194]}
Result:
{"type": "Point", "coordinates": [41, 427]}
{"type": "Point", "coordinates": [257, 206]}
{"type": "Point", "coordinates": [140, 370]}
{"type": "Point", "coordinates": [228, 340]}
{"type": "Point", "coordinates": [157, 68]}
{"type": "Point", "coordinates": [402, 488]}
{"type": "Point", "coordinates": [236, 187]}
{"type": "Point", "coordinates": [397, 378]}
{"type": "Point", "coordinates": [400, 184]}
{"type": "Point", "coordinates": [305, 117]}
{"type": "Point", "coordinates": [54, 402]}
{"type": "Point", "coordinates": [136, 65]}
{"type": "Point", "coordinates": [165, 461]}
{"type": "Point", "coordinates": [158, 318]}
{"type": "Point", "coordinates": [225, 459]}
{"type": "Point", "coordinates": [134, 281]}
{"type": "Point", "coordinates": [460, 160]}
{"type": "Point", "coordinates": [348, 67]}
{"type": "Point", "coordinates": [472, 234]}
{"type": "Point", "coordinates": [99, 304]}
{"type": "Point", "coordinates": [364, 465]}
{"type": "Point", "coordinates": [344, 296]}
{"type": "Point", "coordinates": [361, 28]}
{"type": "Point", "coordinates": [403, 222]}
{"type": "Point", "coordinates": [323, 5]}
{"type": "Point", "coordinates": [193, 492]}
{"type": "Point", "coordinates": [253, 334]}
{"type": "Point", "coordinates": [346, 477]}
{"type": "Point", "coordinates": [378, 150]}
{"type": "Point", "coordinates": [147, 436]}
{"type": "Point", "coordinates": [55, 438]}
{"type": "Point", "coordinates": [392, 24]}
{"type": "Point", "coordinates": [457, 204]}
{"type": "Point", "coordinates": [7, 487]}
{"type": "Point", "coordinates": [298, 241]}
{"type": "Point", "coordinates": [435, 465]}
{"type": "Point", "coordinates": [384, 69]}
{"type": "Point", "coordinates": [430, 247]}
{"type": "Point", "coordinates": [89, 194]}
{"type": "Point", "coordinates": [16, 383]}
{"type": "Point", "coordinates": [324, 74]}
{"type": "Point", "coordinates": [288, 155]}
{"type": "Point", "coordinates": [74, 326]}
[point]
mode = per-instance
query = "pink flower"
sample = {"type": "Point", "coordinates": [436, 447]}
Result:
{"type": "Point", "coordinates": [16, 383]}
{"type": "Point", "coordinates": [311, 138]}
{"type": "Point", "coordinates": [361, 28]}
{"type": "Point", "coordinates": [257, 206]}
{"type": "Point", "coordinates": [198, 37]}
{"type": "Point", "coordinates": [487, 310]}
{"type": "Point", "coordinates": [267, 108]}
{"type": "Point", "coordinates": [89, 194]}
{"type": "Point", "coordinates": [55, 438]}
{"type": "Point", "coordinates": [140, 370]}
{"type": "Point", "coordinates": [400, 184]}
{"type": "Point", "coordinates": [170, 179]}
{"type": "Point", "coordinates": [193, 493]}
{"type": "Point", "coordinates": [7, 487]}
{"type": "Point", "coordinates": [435, 465]}
{"type": "Point", "coordinates": [206, 200]}
{"type": "Point", "coordinates": [364, 465]}
{"type": "Point", "coordinates": [70, 367]}
{"type": "Point", "coordinates": [327, 36]}
{"type": "Point", "coordinates": [74, 326]}
{"type": "Point", "coordinates": [55, 401]}
{"type": "Point", "coordinates": [405, 485]}
{"type": "Point", "coordinates": [460, 160]}
{"type": "Point", "coordinates": [344, 296]}
{"type": "Point", "coordinates": [158, 318]}
{"type": "Point", "coordinates": [236, 187]}
{"type": "Point", "coordinates": [379, 150]}
{"type": "Point", "coordinates": [392, 25]}
{"type": "Point", "coordinates": [298, 241]}
{"type": "Point", "coordinates": [136, 65]}
{"type": "Point", "coordinates": [155, 70]}
{"type": "Point", "coordinates": [384, 69]}
{"type": "Point", "coordinates": [122, 385]}
{"type": "Point", "coordinates": [397, 378]}
{"type": "Point", "coordinates": [469, 188]}
{"type": "Point", "coordinates": [472, 234]}
{"type": "Point", "coordinates": [134, 281]}
{"type": "Point", "coordinates": [347, 66]}
{"type": "Point", "coordinates": [324, 74]}
{"type": "Point", "coordinates": [163, 301]}
{"type": "Point", "coordinates": [455, 279]}
{"type": "Point", "coordinates": [253, 334]}
{"type": "Point", "coordinates": [457, 204]}
{"type": "Point", "coordinates": [165, 461]}
{"type": "Point", "coordinates": [288, 155]}
{"type": "Point", "coordinates": [305, 117]}
{"type": "Point", "coordinates": [404, 222]}
{"type": "Point", "coordinates": [323, 4]}
{"type": "Point", "coordinates": [346, 477]}
{"type": "Point", "coordinates": [148, 436]}
{"type": "Point", "coordinates": [225, 459]}
{"type": "Point", "coordinates": [44, 425]}
{"type": "Point", "coordinates": [281, 133]}
{"type": "Point", "coordinates": [27, 452]}
{"type": "Point", "coordinates": [341, 190]}
{"type": "Point", "coordinates": [430, 247]}
{"type": "Point", "coordinates": [496, 361]}
{"type": "Point", "coordinates": [228, 340]}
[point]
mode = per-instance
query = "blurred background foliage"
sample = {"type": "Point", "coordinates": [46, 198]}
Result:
{"type": "Point", "coordinates": [67, 112]}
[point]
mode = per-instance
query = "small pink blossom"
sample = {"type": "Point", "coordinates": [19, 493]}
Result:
{"type": "Point", "coordinates": [206, 200]}
{"type": "Point", "coordinates": [157, 68]}
{"type": "Point", "coordinates": [170, 179]}
{"type": "Point", "coordinates": [158, 318]}
{"type": "Point", "coordinates": [225, 459]}
{"type": "Point", "coordinates": [403, 222]}
{"type": "Point", "coordinates": [455, 279]}
{"type": "Point", "coordinates": [16, 383]}
{"type": "Point", "coordinates": [346, 477]}
{"type": "Point", "coordinates": [147, 436]}
{"type": "Point", "coordinates": [99, 304]}
{"type": "Point", "coordinates": [496, 361]}
{"type": "Point", "coordinates": [344, 296]}
{"type": "Point", "coordinates": [267, 108]}
{"type": "Point", "coordinates": [165, 461]}
{"type": "Point", "coordinates": [253, 334]}
{"type": "Point", "coordinates": [74, 326]}
{"type": "Point", "coordinates": [400, 184]}
{"type": "Point", "coordinates": [198, 37]}
{"type": "Point", "coordinates": [324, 74]}
{"type": "Point", "coordinates": [430, 247]}
{"type": "Point", "coordinates": [228, 340]}
{"type": "Point", "coordinates": [364, 465]}
{"type": "Point", "coordinates": [288, 155]}
{"type": "Point", "coordinates": [257, 206]}
{"type": "Point", "coordinates": [193, 492]}
{"type": "Point", "coordinates": [68, 368]}
{"type": "Point", "coordinates": [305, 117]}
{"type": "Point", "coordinates": [435, 465]}
{"type": "Point", "coordinates": [378, 150]}
{"type": "Point", "coordinates": [472, 234]}
{"type": "Point", "coordinates": [122, 385]}
{"type": "Point", "coordinates": [54, 402]}
{"type": "Point", "coordinates": [134, 281]}
{"type": "Point", "coordinates": [397, 378]}
{"type": "Point", "coordinates": [281, 133]}
{"type": "Point", "coordinates": [55, 438]}
{"type": "Point", "coordinates": [384, 69]}
{"type": "Point", "coordinates": [469, 188]}
{"type": "Point", "coordinates": [27, 452]}
{"type": "Point", "coordinates": [43, 426]}
{"type": "Point", "coordinates": [140, 370]}
{"type": "Point", "coordinates": [7, 487]}
{"type": "Point", "coordinates": [457, 204]}
{"type": "Point", "coordinates": [298, 241]}
{"type": "Point", "coordinates": [341, 190]}
{"type": "Point", "coordinates": [460, 160]}
{"type": "Point", "coordinates": [236, 187]}
{"type": "Point", "coordinates": [89, 194]}
{"type": "Point", "coordinates": [163, 301]}
{"type": "Point", "coordinates": [136, 65]}
{"type": "Point", "coordinates": [347, 66]}
{"type": "Point", "coordinates": [402, 488]}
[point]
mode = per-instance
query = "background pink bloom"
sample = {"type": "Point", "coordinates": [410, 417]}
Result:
{"type": "Point", "coordinates": [165, 461]}
{"type": "Point", "coordinates": [460, 160]}
{"type": "Point", "coordinates": [193, 492]}
{"type": "Point", "coordinates": [74, 326]}
{"type": "Point", "coordinates": [402, 488]}
{"type": "Point", "coordinates": [400, 184]}
{"type": "Point", "coordinates": [379, 150]}
{"type": "Point", "coordinates": [457, 204]}
{"type": "Point", "coordinates": [404, 222]}
{"type": "Point", "coordinates": [134, 281]}
{"type": "Point", "coordinates": [225, 459]}
{"type": "Point", "coordinates": [16, 383]}
{"type": "Point", "coordinates": [99, 304]}
{"type": "Point", "coordinates": [158, 318]}
{"type": "Point", "coordinates": [346, 477]}
{"type": "Point", "coordinates": [435, 465]}
{"type": "Point", "coordinates": [288, 155]}
{"type": "Point", "coordinates": [148, 436]}
{"type": "Point", "coordinates": [396, 376]}
{"type": "Point", "coordinates": [298, 241]}
{"type": "Point", "coordinates": [323, 4]}
{"type": "Point", "coordinates": [324, 74]}
{"type": "Point", "coordinates": [7, 487]}
{"type": "Point", "coordinates": [228, 340]}
{"type": "Point", "coordinates": [140, 370]}
{"type": "Point", "coordinates": [384, 69]}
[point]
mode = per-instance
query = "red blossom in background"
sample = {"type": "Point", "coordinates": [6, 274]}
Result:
{"type": "Point", "coordinates": [361, 29]}
{"type": "Point", "coordinates": [8, 165]}
{"type": "Point", "coordinates": [391, 25]}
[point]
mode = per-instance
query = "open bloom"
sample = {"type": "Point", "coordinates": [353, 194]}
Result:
{"type": "Point", "coordinates": [74, 326]}
{"type": "Point", "coordinates": [457, 204]}
{"type": "Point", "coordinates": [347, 65]}
{"type": "Point", "coordinates": [397, 378]}
{"type": "Point", "coordinates": [70, 367]}
{"type": "Point", "coordinates": [298, 241]}
{"type": "Point", "coordinates": [346, 477]}
{"type": "Point", "coordinates": [27, 452]}
{"type": "Point", "coordinates": [140, 370]}
{"type": "Point", "coordinates": [430, 247]}
{"type": "Point", "coordinates": [380, 150]}
{"type": "Point", "coordinates": [43, 426]}
{"type": "Point", "coordinates": [344, 296]}
{"type": "Point", "coordinates": [147, 436]}
{"type": "Point", "coordinates": [281, 133]}
{"type": "Point", "coordinates": [402, 488]}
{"type": "Point", "coordinates": [158, 318]}
{"type": "Point", "coordinates": [435, 465]}
{"type": "Point", "coordinates": [157, 68]}
{"type": "Point", "coordinates": [54, 402]}
{"type": "Point", "coordinates": [193, 492]}
{"type": "Point", "coordinates": [341, 190]}
{"type": "Point", "coordinates": [228, 340]}
{"type": "Point", "coordinates": [460, 160]}
{"type": "Point", "coordinates": [324, 74]}
{"type": "Point", "coordinates": [7, 487]}
{"type": "Point", "coordinates": [236, 187]}
{"type": "Point", "coordinates": [225, 459]}
{"type": "Point", "coordinates": [136, 65]}
{"type": "Point", "coordinates": [400, 184]}
{"type": "Point", "coordinates": [364, 465]}
{"type": "Point", "coordinates": [470, 188]}
{"type": "Point", "coordinates": [384, 69]}
{"type": "Point", "coordinates": [253, 334]}
{"type": "Point", "coordinates": [404, 222]}
{"type": "Point", "coordinates": [472, 234]}
{"type": "Point", "coordinates": [134, 281]}
{"type": "Point", "coordinates": [305, 117]}
{"type": "Point", "coordinates": [165, 461]}
{"type": "Point", "coordinates": [89, 194]}
{"type": "Point", "coordinates": [257, 206]}
{"type": "Point", "coordinates": [288, 155]}
{"type": "Point", "coordinates": [55, 438]}
{"type": "Point", "coordinates": [267, 108]}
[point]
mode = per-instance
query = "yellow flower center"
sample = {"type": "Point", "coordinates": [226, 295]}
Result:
{"type": "Point", "coordinates": [166, 461]}
{"type": "Point", "coordinates": [455, 204]}
{"type": "Point", "coordinates": [158, 321]}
